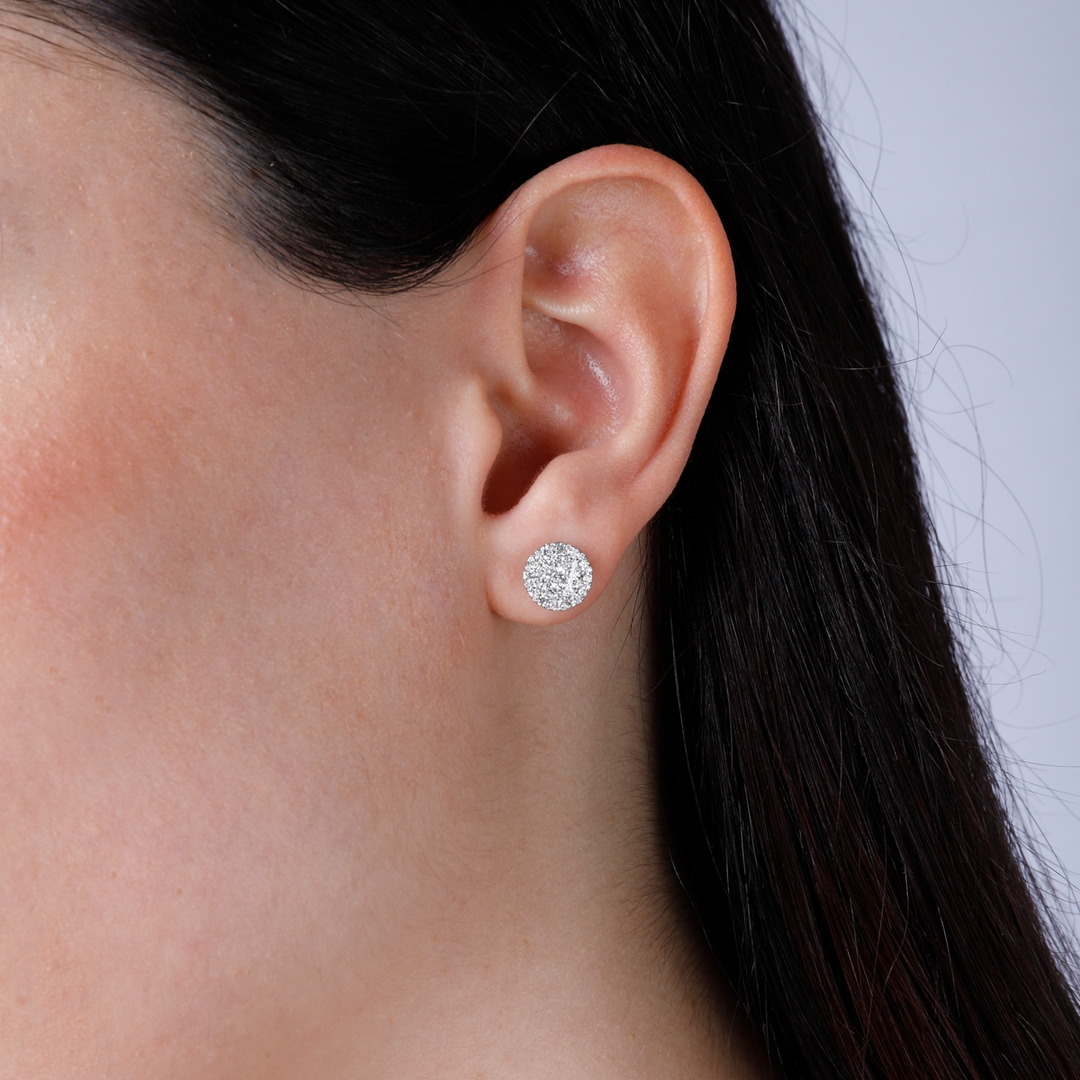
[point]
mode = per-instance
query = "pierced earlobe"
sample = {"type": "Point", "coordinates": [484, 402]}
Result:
{"type": "Point", "coordinates": [558, 576]}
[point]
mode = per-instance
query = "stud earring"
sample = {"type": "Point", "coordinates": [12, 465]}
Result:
{"type": "Point", "coordinates": [558, 576]}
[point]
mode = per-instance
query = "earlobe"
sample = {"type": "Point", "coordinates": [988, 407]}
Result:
{"type": "Point", "coordinates": [623, 302]}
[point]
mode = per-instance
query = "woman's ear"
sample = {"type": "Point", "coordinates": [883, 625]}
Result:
{"type": "Point", "coordinates": [607, 311]}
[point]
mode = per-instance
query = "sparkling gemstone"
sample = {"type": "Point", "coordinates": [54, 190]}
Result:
{"type": "Point", "coordinates": [558, 576]}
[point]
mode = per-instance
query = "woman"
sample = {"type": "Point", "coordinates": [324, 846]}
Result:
{"type": "Point", "coordinates": [420, 657]}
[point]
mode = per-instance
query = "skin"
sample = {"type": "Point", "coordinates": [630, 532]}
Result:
{"type": "Point", "coordinates": [295, 780]}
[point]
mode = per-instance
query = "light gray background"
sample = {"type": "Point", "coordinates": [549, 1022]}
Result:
{"type": "Point", "coordinates": [958, 127]}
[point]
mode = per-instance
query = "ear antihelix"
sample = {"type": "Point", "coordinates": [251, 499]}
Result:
{"type": "Point", "coordinates": [558, 576]}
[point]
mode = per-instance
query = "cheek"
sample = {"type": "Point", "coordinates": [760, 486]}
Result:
{"type": "Point", "coordinates": [232, 506]}
{"type": "Point", "coordinates": [70, 467]}
{"type": "Point", "coordinates": [229, 628]}
{"type": "Point", "coordinates": [176, 482]}
{"type": "Point", "coordinates": [228, 610]}
{"type": "Point", "coordinates": [99, 495]}
{"type": "Point", "coordinates": [245, 520]}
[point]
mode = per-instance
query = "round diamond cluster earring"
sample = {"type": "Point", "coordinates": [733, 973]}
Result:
{"type": "Point", "coordinates": [558, 576]}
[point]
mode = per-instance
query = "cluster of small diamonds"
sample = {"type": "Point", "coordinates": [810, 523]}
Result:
{"type": "Point", "coordinates": [558, 576]}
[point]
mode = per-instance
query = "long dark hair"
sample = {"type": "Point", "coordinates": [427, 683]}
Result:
{"type": "Point", "coordinates": [824, 782]}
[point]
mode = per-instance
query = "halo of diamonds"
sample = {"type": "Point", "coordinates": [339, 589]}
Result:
{"type": "Point", "coordinates": [558, 576]}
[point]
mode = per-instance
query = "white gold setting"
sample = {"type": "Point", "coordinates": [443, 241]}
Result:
{"type": "Point", "coordinates": [558, 576]}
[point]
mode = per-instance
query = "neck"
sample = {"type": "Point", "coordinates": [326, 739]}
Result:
{"type": "Point", "coordinates": [543, 936]}
{"type": "Point", "coordinates": [468, 881]}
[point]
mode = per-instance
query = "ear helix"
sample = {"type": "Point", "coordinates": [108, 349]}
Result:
{"type": "Point", "coordinates": [558, 576]}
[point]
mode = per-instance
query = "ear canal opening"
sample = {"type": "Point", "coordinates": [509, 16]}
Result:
{"type": "Point", "coordinates": [572, 403]}
{"type": "Point", "coordinates": [521, 458]}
